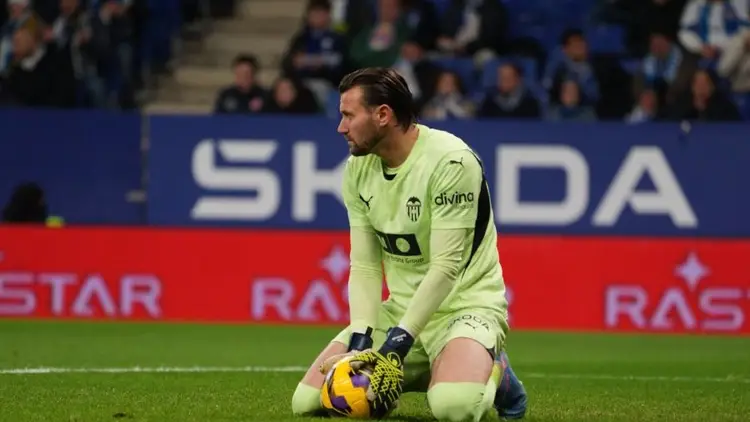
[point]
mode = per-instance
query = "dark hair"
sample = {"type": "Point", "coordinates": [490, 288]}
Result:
{"type": "Point", "coordinates": [516, 68]}
{"type": "Point", "coordinates": [460, 86]}
{"type": "Point", "coordinates": [570, 33]}
{"type": "Point", "coordinates": [661, 33]}
{"type": "Point", "coordinates": [383, 86]}
{"type": "Point", "coordinates": [319, 5]}
{"type": "Point", "coordinates": [247, 59]}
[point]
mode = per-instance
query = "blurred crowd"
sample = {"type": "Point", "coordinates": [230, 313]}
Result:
{"type": "Point", "coordinates": [558, 60]}
{"type": "Point", "coordinates": [84, 53]}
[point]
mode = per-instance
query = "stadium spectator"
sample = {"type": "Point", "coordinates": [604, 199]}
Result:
{"type": "Point", "coordinates": [660, 66]}
{"type": "Point", "coordinates": [449, 101]}
{"type": "Point", "coordinates": [474, 26]}
{"type": "Point", "coordinates": [316, 52]}
{"type": "Point", "coordinates": [705, 102]}
{"type": "Point", "coordinates": [290, 97]}
{"type": "Point", "coordinates": [419, 72]}
{"type": "Point", "coordinates": [572, 63]}
{"type": "Point", "coordinates": [643, 18]}
{"type": "Point", "coordinates": [707, 25]}
{"type": "Point", "coordinates": [379, 44]}
{"type": "Point", "coordinates": [114, 30]}
{"type": "Point", "coordinates": [72, 37]}
{"type": "Point", "coordinates": [510, 99]}
{"type": "Point", "coordinates": [662, 16]}
{"type": "Point", "coordinates": [735, 62]}
{"type": "Point", "coordinates": [571, 106]}
{"type": "Point", "coordinates": [423, 22]}
{"type": "Point", "coordinates": [20, 15]}
{"type": "Point", "coordinates": [244, 95]}
{"type": "Point", "coordinates": [706, 28]}
{"type": "Point", "coordinates": [34, 78]}
{"type": "Point", "coordinates": [647, 109]}
{"type": "Point", "coordinates": [349, 15]}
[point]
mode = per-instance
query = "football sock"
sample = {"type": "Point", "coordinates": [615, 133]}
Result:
{"type": "Point", "coordinates": [460, 401]}
{"type": "Point", "coordinates": [306, 400]}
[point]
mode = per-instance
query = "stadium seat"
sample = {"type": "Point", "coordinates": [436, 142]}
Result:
{"type": "Point", "coordinates": [743, 104]}
{"type": "Point", "coordinates": [332, 105]}
{"type": "Point", "coordinates": [631, 66]}
{"type": "Point", "coordinates": [441, 5]}
{"type": "Point", "coordinates": [606, 39]}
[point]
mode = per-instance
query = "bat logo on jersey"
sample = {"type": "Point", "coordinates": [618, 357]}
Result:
{"type": "Point", "coordinates": [413, 208]}
{"type": "Point", "coordinates": [366, 201]}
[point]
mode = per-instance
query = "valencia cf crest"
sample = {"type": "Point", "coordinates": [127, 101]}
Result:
{"type": "Point", "coordinates": [413, 208]}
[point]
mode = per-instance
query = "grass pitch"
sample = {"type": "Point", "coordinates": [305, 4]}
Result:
{"type": "Point", "coordinates": [81, 372]}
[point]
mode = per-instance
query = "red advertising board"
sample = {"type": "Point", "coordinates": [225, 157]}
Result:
{"type": "Point", "coordinates": [566, 283]}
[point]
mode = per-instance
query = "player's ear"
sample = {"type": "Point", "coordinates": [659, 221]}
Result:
{"type": "Point", "coordinates": [382, 115]}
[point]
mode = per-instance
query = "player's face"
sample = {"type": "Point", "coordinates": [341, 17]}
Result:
{"type": "Point", "coordinates": [359, 124]}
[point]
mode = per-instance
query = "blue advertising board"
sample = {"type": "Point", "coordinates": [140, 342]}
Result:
{"type": "Point", "coordinates": [586, 179]}
{"type": "Point", "coordinates": [86, 162]}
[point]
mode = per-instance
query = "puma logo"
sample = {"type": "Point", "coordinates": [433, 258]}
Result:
{"type": "Point", "coordinates": [459, 162]}
{"type": "Point", "coordinates": [366, 201]}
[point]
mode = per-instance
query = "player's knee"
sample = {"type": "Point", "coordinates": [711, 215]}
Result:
{"type": "Point", "coordinates": [456, 402]}
{"type": "Point", "coordinates": [306, 400]}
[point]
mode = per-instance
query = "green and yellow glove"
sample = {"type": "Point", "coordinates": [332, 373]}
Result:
{"type": "Point", "coordinates": [387, 367]}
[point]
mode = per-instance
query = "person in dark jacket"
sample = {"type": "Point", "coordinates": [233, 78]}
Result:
{"type": "Point", "coordinates": [289, 96]}
{"type": "Point", "coordinates": [316, 51]}
{"type": "Point", "coordinates": [19, 15]}
{"type": "Point", "coordinates": [423, 20]}
{"type": "Point", "coordinates": [244, 95]}
{"type": "Point", "coordinates": [471, 26]}
{"type": "Point", "coordinates": [705, 102]}
{"type": "Point", "coordinates": [510, 99]}
{"type": "Point", "coordinates": [570, 107]}
{"type": "Point", "coordinates": [34, 79]}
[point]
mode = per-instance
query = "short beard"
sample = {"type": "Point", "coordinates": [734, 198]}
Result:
{"type": "Point", "coordinates": [369, 145]}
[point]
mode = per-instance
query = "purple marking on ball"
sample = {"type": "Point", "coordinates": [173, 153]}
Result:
{"type": "Point", "coordinates": [340, 403]}
{"type": "Point", "coordinates": [360, 380]}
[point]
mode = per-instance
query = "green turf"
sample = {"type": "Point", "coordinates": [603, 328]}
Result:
{"type": "Point", "coordinates": [570, 377]}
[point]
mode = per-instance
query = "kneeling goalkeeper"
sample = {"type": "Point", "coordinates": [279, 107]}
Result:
{"type": "Point", "coordinates": [419, 208]}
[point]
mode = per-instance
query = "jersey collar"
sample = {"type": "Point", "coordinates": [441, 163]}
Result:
{"type": "Point", "coordinates": [413, 154]}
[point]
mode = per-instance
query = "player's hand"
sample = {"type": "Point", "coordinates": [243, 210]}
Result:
{"type": "Point", "coordinates": [327, 364]}
{"type": "Point", "coordinates": [357, 343]}
{"type": "Point", "coordinates": [387, 367]}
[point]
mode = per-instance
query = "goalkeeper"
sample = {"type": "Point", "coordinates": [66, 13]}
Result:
{"type": "Point", "coordinates": [419, 208]}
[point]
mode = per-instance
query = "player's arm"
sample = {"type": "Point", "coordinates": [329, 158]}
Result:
{"type": "Point", "coordinates": [366, 271]}
{"type": "Point", "coordinates": [452, 226]}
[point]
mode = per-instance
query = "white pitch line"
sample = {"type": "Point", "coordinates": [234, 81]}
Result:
{"type": "Point", "coordinates": [146, 370]}
{"type": "Point", "coordinates": [299, 369]}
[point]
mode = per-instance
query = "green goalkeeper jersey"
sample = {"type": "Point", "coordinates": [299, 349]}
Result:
{"type": "Point", "coordinates": [440, 186]}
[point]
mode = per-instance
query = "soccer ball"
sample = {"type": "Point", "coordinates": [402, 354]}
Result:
{"type": "Point", "coordinates": [344, 391]}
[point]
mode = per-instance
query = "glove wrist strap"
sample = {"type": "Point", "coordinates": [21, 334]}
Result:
{"type": "Point", "coordinates": [398, 341]}
{"type": "Point", "coordinates": [360, 341]}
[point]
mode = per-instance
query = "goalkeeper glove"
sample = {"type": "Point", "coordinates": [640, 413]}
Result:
{"type": "Point", "coordinates": [386, 364]}
{"type": "Point", "coordinates": [357, 343]}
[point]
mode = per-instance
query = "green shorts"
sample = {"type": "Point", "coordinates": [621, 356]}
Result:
{"type": "Point", "coordinates": [483, 325]}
